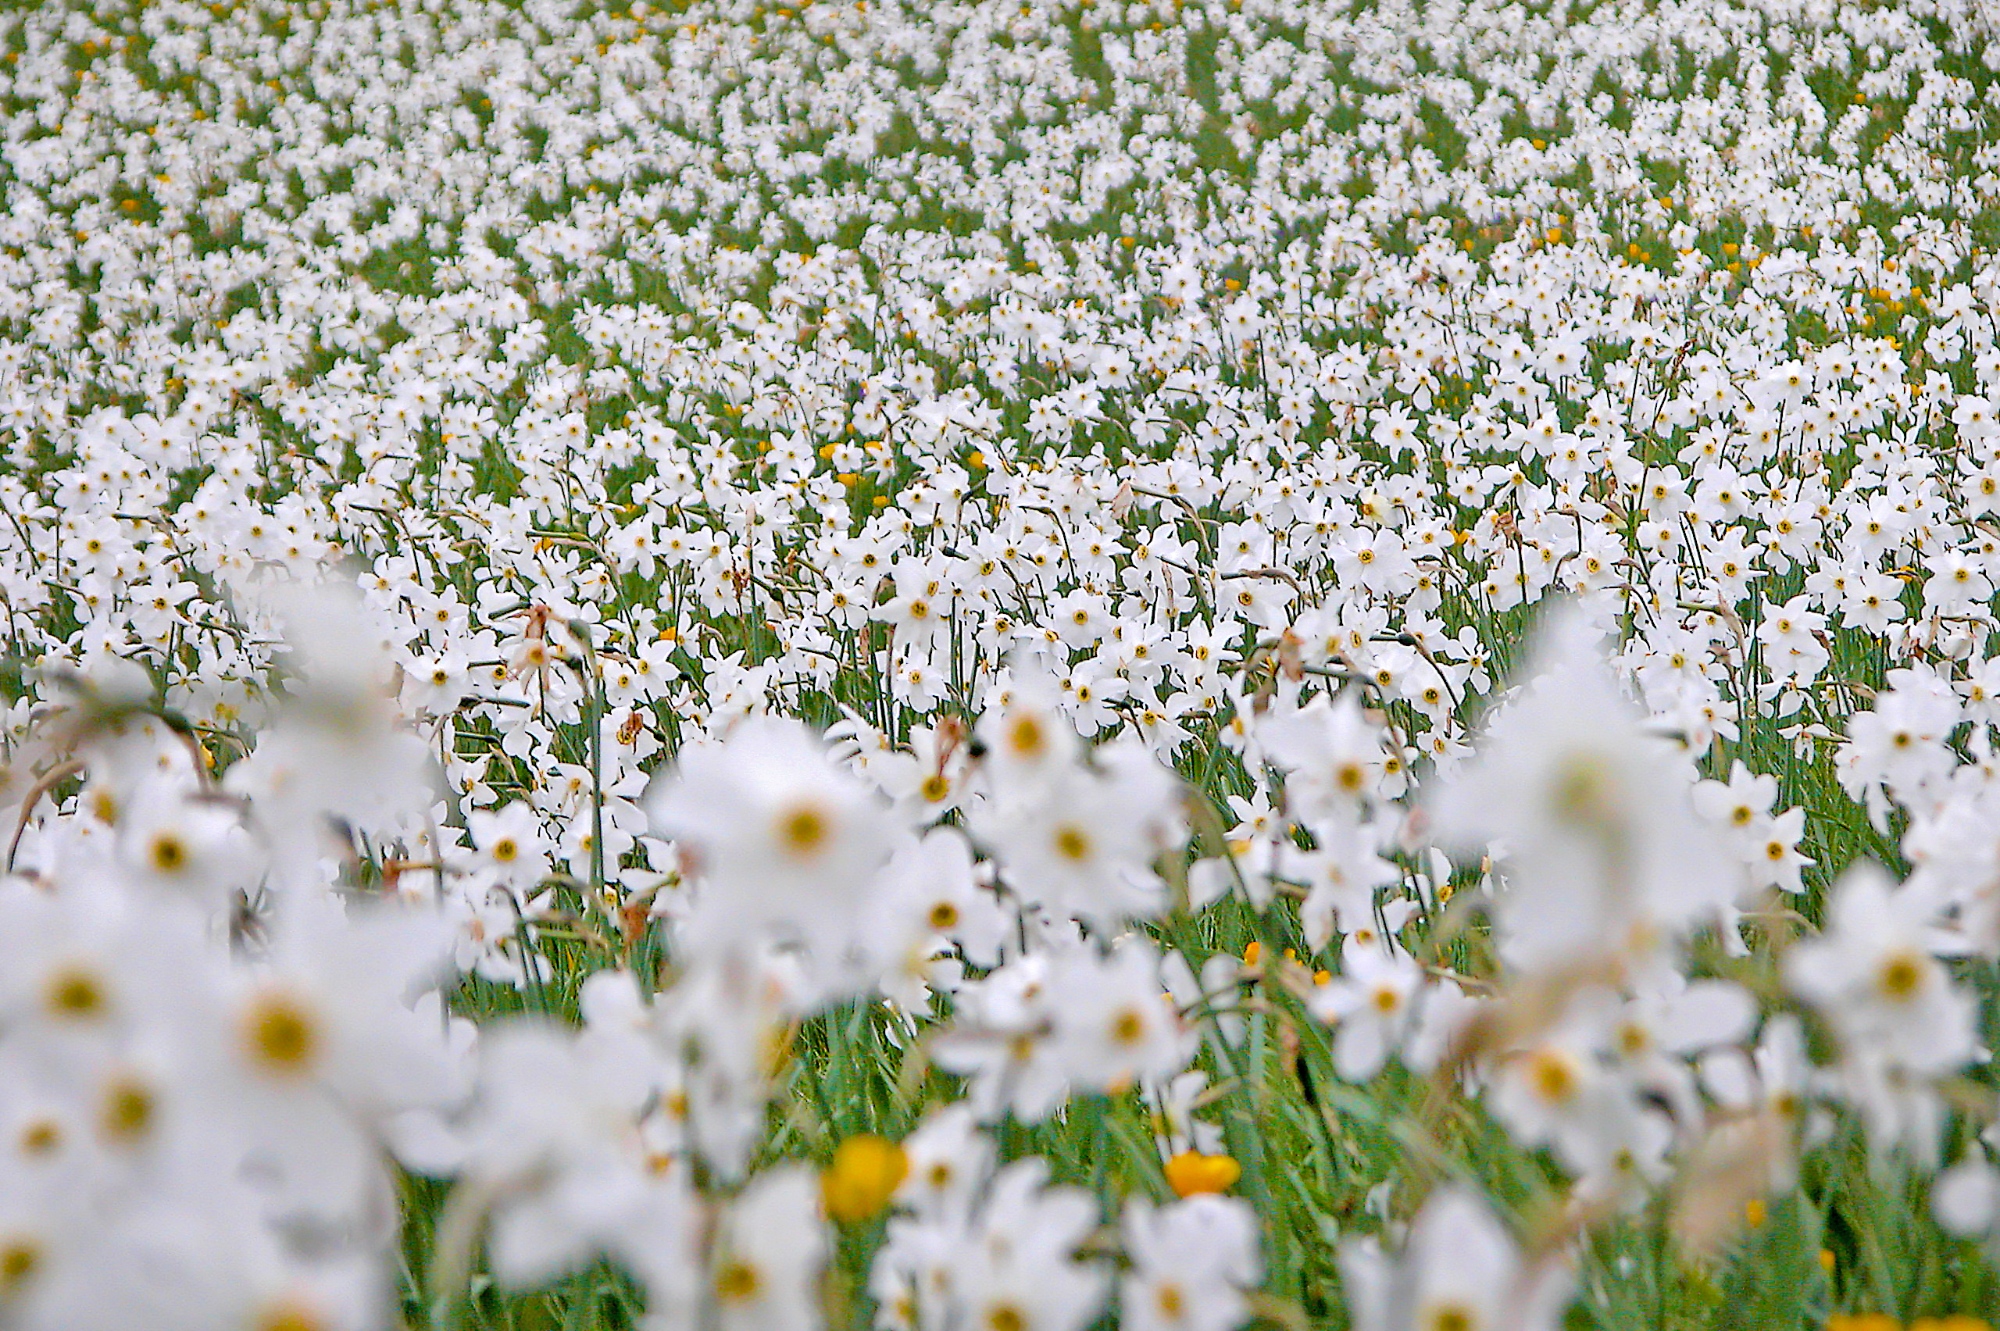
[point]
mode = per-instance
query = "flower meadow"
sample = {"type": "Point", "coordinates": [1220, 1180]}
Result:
{"type": "Point", "coordinates": [964, 665]}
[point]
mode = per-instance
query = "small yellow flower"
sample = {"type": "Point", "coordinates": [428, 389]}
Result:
{"type": "Point", "coordinates": [865, 1173]}
{"type": "Point", "coordinates": [1191, 1172]}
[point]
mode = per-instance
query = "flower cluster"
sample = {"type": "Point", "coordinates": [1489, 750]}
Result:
{"type": "Point", "coordinates": [1230, 658]}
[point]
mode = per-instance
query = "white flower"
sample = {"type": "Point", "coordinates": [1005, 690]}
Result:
{"type": "Point", "coordinates": [1604, 852]}
{"type": "Point", "coordinates": [1873, 976]}
{"type": "Point", "coordinates": [1965, 1198]}
{"type": "Point", "coordinates": [928, 901]}
{"type": "Point", "coordinates": [1115, 1023]}
{"type": "Point", "coordinates": [1083, 847]}
{"type": "Point", "coordinates": [1193, 1262]}
{"type": "Point", "coordinates": [949, 1159]}
{"type": "Point", "coordinates": [1332, 757]}
{"type": "Point", "coordinates": [320, 1040]}
{"type": "Point", "coordinates": [554, 1139]}
{"type": "Point", "coordinates": [1901, 1021]}
{"type": "Point", "coordinates": [1372, 1005]}
{"type": "Point", "coordinates": [1898, 746]}
{"type": "Point", "coordinates": [511, 846]}
{"type": "Point", "coordinates": [189, 846]}
{"type": "Point", "coordinates": [1019, 1269]}
{"type": "Point", "coordinates": [768, 1252]}
{"type": "Point", "coordinates": [785, 845]}
{"type": "Point", "coordinates": [1459, 1270]}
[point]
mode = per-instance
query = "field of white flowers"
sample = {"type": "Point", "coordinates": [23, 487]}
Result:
{"type": "Point", "coordinates": [966, 665]}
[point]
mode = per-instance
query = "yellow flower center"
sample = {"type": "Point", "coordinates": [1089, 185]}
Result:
{"type": "Point", "coordinates": [76, 995]}
{"type": "Point", "coordinates": [20, 1258]}
{"type": "Point", "coordinates": [42, 1137]}
{"type": "Point", "coordinates": [167, 853]}
{"type": "Point", "coordinates": [1005, 1317]}
{"type": "Point", "coordinates": [803, 830]}
{"type": "Point", "coordinates": [281, 1035]}
{"type": "Point", "coordinates": [1901, 975]}
{"type": "Point", "coordinates": [1582, 791]}
{"type": "Point", "coordinates": [290, 1317]}
{"type": "Point", "coordinates": [1025, 738]}
{"type": "Point", "coordinates": [1552, 1075]}
{"type": "Point", "coordinates": [129, 1110]}
{"type": "Point", "coordinates": [737, 1282]}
